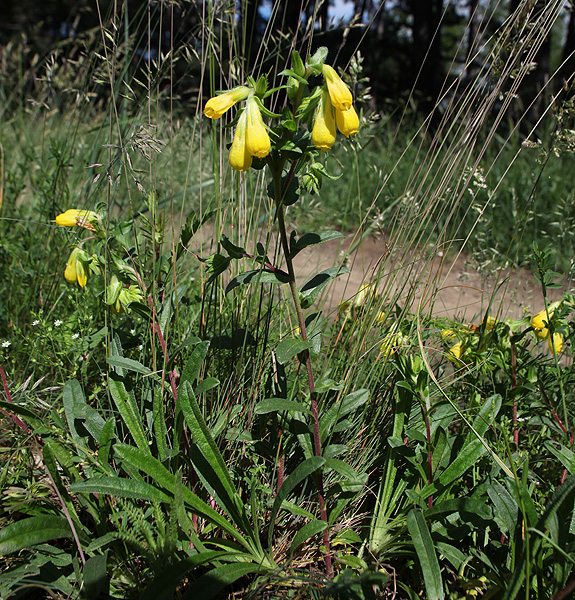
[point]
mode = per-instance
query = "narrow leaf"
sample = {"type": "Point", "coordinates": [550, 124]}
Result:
{"type": "Point", "coordinates": [31, 531]}
{"type": "Point", "coordinates": [307, 532]}
{"type": "Point", "coordinates": [301, 472]}
{"type": "Point", "coordinates": [289, 348]}
{"type": "Point", "coordinates": [426, 554]}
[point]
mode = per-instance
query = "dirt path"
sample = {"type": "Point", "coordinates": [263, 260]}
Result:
{"type": "Point", "coordinates": [449, 286]}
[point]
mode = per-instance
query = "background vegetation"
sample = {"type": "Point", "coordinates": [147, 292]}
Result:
{"type": "Point", "coordinates": [168, 451]}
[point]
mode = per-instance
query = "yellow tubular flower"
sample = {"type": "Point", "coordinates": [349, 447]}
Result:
{"type": "Point", "coordinates": [257, 138]}
{"type": "Point", "coordinates": [215, 107]}
{"type": "Point", "coordinates": [240, 158]}
{"type": "Point", "coordinates": [75, 216]}
{"type": "Point", "coordinates": [541, 334]}
{"type": "Point", "coordinates": [76, 268]}
{"type": "Point", "coordinates": [323, 133]}
{"type": "Point", "coordinates": [347, 121]}
{"type": "Point", "coordinates": [556, 341]}
{"type": "Point", "coordinates": [537, 322]}
{"type": "Point", "coordinates": [339, 93]}
{"type": "Point", "coordinates": [455, 352]}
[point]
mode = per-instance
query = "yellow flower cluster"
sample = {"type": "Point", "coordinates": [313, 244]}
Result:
{"type": "Point", "coordinates": [540, 324]}
{"type": "Point", "coordinates": [251, 137]}
{"type": "Point", "coordinates": [335, 108]}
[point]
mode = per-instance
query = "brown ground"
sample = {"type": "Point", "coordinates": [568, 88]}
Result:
{"type": "Point", "coordinates": [449, 286]}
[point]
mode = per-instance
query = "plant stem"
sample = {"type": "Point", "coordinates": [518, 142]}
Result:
{"type": "Point", "coordinates": [278, 193]}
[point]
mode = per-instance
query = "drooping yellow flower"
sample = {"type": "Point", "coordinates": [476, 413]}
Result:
{"type": "Point", "coordinates": [543, 316]}
{"type": "Point", "coordinates": [240, 158]}
{"type": "Point", "coordinates": [77, 267]}
{"type": "Point", "coordinates": [556, 341]}
{"type": "Point", "coordinates": [390, 344]}
{"type": "Point", "coordinates": [215, 107]}
{"type": "Point", "coordinates": [76, 216]}
{"type": "Point", "coordinates": [448, 334]}
{"type": "Point", "coordinates": [257, 138]}
{"type": "Point", "coordinates": [490, 323]}
{"type": "Point", "coordinates": [323, 133]}
{"type": "Point", "coordinates": [339, 93]}
{"type": "Point", "coordinates": [347, 121]}
{"type": "Point", "coordinates": [455, 352]}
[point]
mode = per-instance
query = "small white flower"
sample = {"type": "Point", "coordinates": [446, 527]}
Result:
{"type": "Point", "coordinates": [140, 347]}
{"type": "Point", "coordinates": [132, 331]}
{"type": "Point", "coordinates": [57, 323]}
{"type": "Point", "coordinates": [75, 336]}
{"type": "Point", "coordinates": [36, 322]}
{"type": "Point", "coordinates": [6, 344]}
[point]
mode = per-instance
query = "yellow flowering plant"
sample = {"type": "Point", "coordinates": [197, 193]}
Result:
{"type": "Point", "coordinates": [288, 145]}
{"type": "Point", "coordinates": [123, 288]}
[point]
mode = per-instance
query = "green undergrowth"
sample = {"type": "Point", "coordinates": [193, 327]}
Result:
{"type": "Point", "coordinates": [184, 418]}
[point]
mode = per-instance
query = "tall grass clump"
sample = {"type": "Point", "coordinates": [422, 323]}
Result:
{"type": "Point", "coordinates": [186, 415]}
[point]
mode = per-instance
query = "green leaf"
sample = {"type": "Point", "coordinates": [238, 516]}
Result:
{"type": "Point", "coordinates": [105, 441]}
{"type": "Point", "coordinates": [563, 497]}
{"type": "Point", "coordinates": [128, 364]}
{"type": "Point", "coordinates": [18, 409]}
{"type": "Point", "coordinates": [487, 414]}
{"type": "Point", "coordinates": [425, 550]}
{"type": "Point", "coordinates": [292, 73]}
{"type": "Point", "coordinates": [32, 531]}
{"type": "Point", "coordinates": [257, 276]}
{"type": "Point", "coordinates": [297, 63]}
{"type": "Point", "coordinates": [120, 486]}
{"type": "Point", "coordinates": [460, 505]}
{"type": "Point", "coordinates": [358, 480]}
{"type": "Point", "coordinates": [312, 289]}
{"type": "Point", "coordinates": [233, 250]}
{"type": "Point", "coordinates": [214, 470]}
{"type": "Point", "coordinates": [465, 459]}
{"type": "Point", "coordinates": [73, 397]}
{"type": "Point", "coordinates": [505, 507]}
{"type": "Point", "coordinates": [207, 384]}
{"type": "Point", "coordinates": [216, 264]}
{"type": "Point", "coordinates": [280, 405]}
{"type": "Point", "coordinates": [315, 62]}
{"type": "Point", "coordinates": [146, 463]}
{"type": "Point", "coordinates": [565, 456]}
{"type": "Point", "coordinates": [341, 409]}
{"type": "Point", "coordinates": [452, 554]}
{"type": "Point", "coordinates": [301, 472]}
{"type": "Point", "coordinates": [194, 364]}
{"type": "Point", "coordinates": [311, 239]}
{"type": "Point", "coordinates": [126, 404]}
{"type": "Point", "coordinates": [96, 583]}
{"type": "Point", "coordinates": [291, 347]}
{"type": "Point", "coordinates": [306, 533]}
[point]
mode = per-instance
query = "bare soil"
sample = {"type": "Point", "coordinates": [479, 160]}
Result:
{"type": "Point", "coordinates": [445, 286]}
